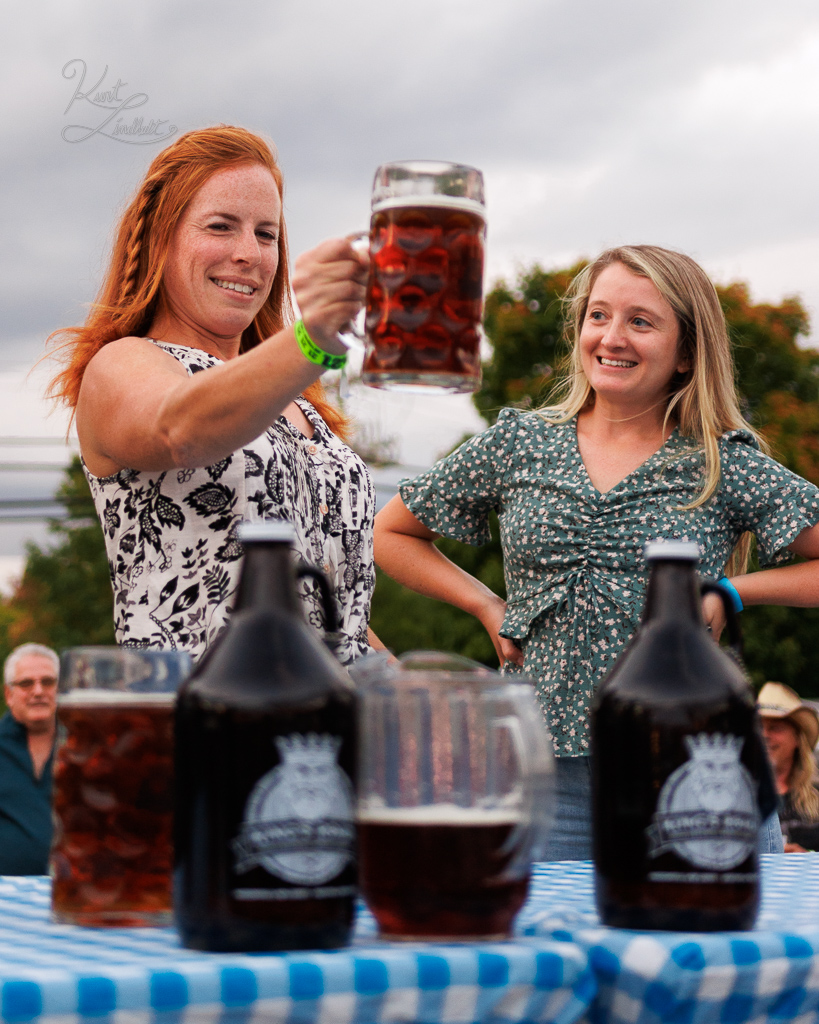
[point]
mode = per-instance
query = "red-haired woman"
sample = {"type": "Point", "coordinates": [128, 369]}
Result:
{"type": "Point", "coordinates": [197, 399]}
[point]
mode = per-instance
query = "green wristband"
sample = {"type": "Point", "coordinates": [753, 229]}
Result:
{"type": "Point", "coordinates": [311, 351]}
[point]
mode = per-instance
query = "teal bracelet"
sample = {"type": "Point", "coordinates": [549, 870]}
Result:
{"type": "Point", "coordinates": [732, 592]}
{"type": "Point", "coordinates": [311, 351]}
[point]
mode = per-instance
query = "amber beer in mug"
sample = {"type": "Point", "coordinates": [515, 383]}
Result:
{"type": "Point", "coordinates": [455, 796]}
{"type": "Point", "coordinates": [425, 287]}
{"type": "Point", "coordinates": [112, 852]}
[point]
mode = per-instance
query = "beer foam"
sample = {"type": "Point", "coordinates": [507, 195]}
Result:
{"type": "Point", "coordinates": [93, 698]}
{"type": "Point", "coordinates": [438, 201]}
{"type": "Point", "coordinates": [439, 814]}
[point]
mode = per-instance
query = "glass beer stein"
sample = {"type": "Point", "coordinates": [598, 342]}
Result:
{"type": "Point", "coordinates": [425, 287]}
{"type": "Point", "coordinates": [455, 773]}
{"type": "Point", "coordinates": [112, 851]}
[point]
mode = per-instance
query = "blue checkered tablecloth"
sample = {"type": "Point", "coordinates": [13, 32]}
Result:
{"type": "Point", "coordinates": [769, 974]}
{"type": "Point", "coordinates": [63, 974]}
{"type": "Point", "coordinates": [563, 966]}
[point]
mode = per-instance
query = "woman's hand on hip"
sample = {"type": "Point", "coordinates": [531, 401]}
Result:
{"type": "Point", "coordinates": [491, 616]}
{"type": "Point", "coordinates": [330, 287]}
{"type": "Point", "coordinates": [713, 614]}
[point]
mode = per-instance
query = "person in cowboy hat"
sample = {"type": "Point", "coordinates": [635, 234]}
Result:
{"type": "Point", "coordinates": [791, 729]}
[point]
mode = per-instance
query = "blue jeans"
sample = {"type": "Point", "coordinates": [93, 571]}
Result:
{"type": "Point", "coordinates": [571, 836]}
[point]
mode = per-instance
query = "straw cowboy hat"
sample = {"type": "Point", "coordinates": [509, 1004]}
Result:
{"type": "Point", "coordinates": [778, 701]}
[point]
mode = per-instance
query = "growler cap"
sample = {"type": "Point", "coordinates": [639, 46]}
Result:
{"type": "Point", "coordinates": [269, 530]}
{"type": "Point", "coordinates": [676, 550]}
{"type": "Point", "coordinates": [778, 701]}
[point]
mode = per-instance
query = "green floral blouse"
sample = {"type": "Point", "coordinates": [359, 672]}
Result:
{"type": "Point", "coordinates": [572, 555]}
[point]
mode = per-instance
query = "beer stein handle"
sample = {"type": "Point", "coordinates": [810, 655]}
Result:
{"type": "Point", "coordinates": [520, 840]}
{"type": "Point", "coordinates": [328, 600]}
{"type": "Point", "coordinates": [351, 335]}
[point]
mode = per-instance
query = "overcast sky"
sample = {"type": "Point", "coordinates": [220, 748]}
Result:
{"type": "Point", "coordinates": [692, 124]}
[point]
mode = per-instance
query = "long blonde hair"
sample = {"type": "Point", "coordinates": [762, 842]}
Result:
{"type": "Point", "coordinates": [801, 782]}
{"type": "Point", "coordinates": [133, 291]}
{"type": "Point", "coordinates": [702, 400]}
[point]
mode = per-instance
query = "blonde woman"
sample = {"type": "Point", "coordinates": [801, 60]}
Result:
{"type": "Point", "coordinates": [647, 441]}
{"type": "Point", "coordinates": [791, 730]}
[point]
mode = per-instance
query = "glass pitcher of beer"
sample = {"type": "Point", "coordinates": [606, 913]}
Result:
{"type": "Point", "coordinates": [425, 286]}
{"type": "Point", "coordinates": [455, 774]}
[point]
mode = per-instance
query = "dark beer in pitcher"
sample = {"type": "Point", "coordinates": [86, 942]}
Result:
{"type": "Point", "coordinates": [681, 781]}
{"type": "Point", "coordinates": [265, 770]}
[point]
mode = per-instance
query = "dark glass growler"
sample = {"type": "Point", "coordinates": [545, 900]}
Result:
{"type": "Point", "coordinates": [680, 776]}
{"type": "Point", "coordinates": [265, 772]}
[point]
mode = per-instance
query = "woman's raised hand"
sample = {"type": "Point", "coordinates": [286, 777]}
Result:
{"type": "Point", "coordinates": [330, 286]}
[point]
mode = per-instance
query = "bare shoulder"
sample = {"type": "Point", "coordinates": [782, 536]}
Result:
{"type": "Point", "coordinates": [126, 355]}
{"type": "Point", "coordinates": [122, 389]}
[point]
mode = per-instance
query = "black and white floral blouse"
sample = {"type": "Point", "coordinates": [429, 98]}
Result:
{"type": "Point", "coordinates": [572, 556]}
{"type": "Point", "coordinates": [171, 536]}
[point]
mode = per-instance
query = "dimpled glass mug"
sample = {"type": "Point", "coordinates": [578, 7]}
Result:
{"type": "Point", "coordinates": [455, 795]}
{"type": "Point", "coordinates": [112, 851]}
{"type": "Point", "coordinates": [425, 287]}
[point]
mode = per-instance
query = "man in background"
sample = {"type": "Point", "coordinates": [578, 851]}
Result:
{"type": "Point", "coordinates": [26, 748]}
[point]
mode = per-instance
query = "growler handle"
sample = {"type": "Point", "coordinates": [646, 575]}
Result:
{"type": "Point", "coordinates": [731, 617]}
{"type": "Point", "coordinates": [328, 600]}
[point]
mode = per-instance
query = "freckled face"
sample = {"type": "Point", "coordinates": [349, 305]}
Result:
{"type": "Point", "coordinates": [629, 339]}
{"type": "Point", "coordinates": [224, 254]}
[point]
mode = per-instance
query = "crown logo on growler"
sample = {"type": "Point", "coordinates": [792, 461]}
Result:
{"type": "Point", "coordinates": [706, 811]}
{"type": "Point", "coordinates": [299, 818]}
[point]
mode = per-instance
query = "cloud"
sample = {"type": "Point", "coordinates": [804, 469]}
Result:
{"type": "Point", "coordinates": [689, 124]}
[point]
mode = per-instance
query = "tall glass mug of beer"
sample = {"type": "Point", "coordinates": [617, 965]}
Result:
{"type": "Point", "coordinates": [112, 855]}
{"type": "Point", "coordinates": [455, 780]}
{"type": "Point", "coordinates": [425, 287]}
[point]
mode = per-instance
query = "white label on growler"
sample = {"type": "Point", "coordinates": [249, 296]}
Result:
{"type": "Point", "coordinates": [299, 818]}
{"type": "Point", "coordinates": [706, 811]}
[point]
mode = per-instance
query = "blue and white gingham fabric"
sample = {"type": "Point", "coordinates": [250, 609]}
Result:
{"type": "Point", "coordinates": [563, 967]}
{"type": "Point", "coordinates": [64, 974]}
{"type": "Point", "coordinates": [769, 974]}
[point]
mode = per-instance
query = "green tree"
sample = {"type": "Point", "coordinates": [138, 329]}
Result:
{"type": "Point", "coordinates": [524, 322]}
{"type": "Point", "coordinates": [64, 598]}
{"type": "Point", "coordinates": [779, 386]}
{"type": "Point", "coordinates": [406, 621]}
